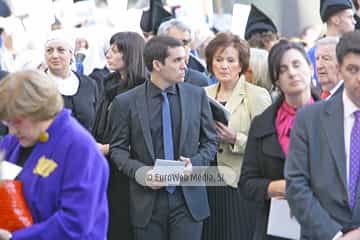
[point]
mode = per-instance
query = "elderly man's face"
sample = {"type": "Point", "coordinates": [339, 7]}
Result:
{"type": "Point", "coordinates": [183, 37]}
{"type": "Point", "coordinates": [326, 66]}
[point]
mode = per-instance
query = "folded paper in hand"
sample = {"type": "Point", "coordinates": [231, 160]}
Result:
{"type": "Point", "coordinates": [170, 171]}
{"type": "Point", "coordinates": [219, 112]}
{"type": "Point", "coordinates": [281, 223]}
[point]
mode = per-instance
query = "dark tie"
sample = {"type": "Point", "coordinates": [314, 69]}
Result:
{"type": "Point", "coordinates": [167, 134]}
{"type": "Point", "coordinates": [354, 159]}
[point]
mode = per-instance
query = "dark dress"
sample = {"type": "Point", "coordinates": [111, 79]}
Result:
{"type": "Point", "coordinates": [231, 215]}
{"type": "Point", "coordinates": [264, 162]}
{"type": "Point", "coordinates": [99, 74]}
{"type": "Point", "coordinates": [84, 103]}
{"type": "Point", "coordinates": [118, 188]}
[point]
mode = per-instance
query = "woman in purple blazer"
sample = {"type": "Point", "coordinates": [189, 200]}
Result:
{"type": "Point", "coordinates": [64, 175]}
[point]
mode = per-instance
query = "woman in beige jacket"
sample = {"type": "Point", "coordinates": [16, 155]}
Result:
{"type": "Point", "coordinates": [227, 56]}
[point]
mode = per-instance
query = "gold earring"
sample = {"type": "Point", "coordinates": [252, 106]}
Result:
{"type": "Point", "coordinates": [44, 137]}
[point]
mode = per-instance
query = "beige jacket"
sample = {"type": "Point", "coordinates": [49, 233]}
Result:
{"type": "Point", "coordinates": [246, 101]}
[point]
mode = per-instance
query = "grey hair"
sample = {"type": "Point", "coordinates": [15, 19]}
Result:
{"type": "Point", "coordinates": [330, 40]}
{"type": "Point", "coordinates": [180, 25]}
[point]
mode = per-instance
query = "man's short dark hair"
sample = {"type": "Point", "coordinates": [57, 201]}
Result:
{"type": "Point", "coordinates": [349, 43]}
{"type": "Point", "coordinates": [157, 48]}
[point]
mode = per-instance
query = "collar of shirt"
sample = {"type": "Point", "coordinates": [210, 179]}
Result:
{"type": "Point", "coordinates": [67, 86]}
{"type": "Point", "coordinates": [155, 91]}
{"type": "Point", "coordinates": [349, 106]}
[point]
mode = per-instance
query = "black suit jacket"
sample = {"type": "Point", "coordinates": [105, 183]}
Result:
{"type": "Point", "coordinates": [131, 146]}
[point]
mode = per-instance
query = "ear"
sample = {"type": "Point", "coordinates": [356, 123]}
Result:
{"type": "Point", "coordinates": [336, 19]}
{"type": "Point", "coordinates": [157, 65]}
{"type": "Point", "coordinates": [338, 67]}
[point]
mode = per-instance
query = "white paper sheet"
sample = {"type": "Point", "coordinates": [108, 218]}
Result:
{"type": "Point", "coordinates": [8, 170]}
{"type": "Point", "coordinates": [170, 171]}
{"type": "Point", "coordinates": [281, 223]}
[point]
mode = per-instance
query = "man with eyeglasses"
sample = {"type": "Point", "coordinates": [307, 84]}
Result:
{"type": "Point", "coordinates": [180, 31]}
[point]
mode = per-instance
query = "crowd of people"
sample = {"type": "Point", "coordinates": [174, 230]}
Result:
{"type": "Point", "coordinates": [88, 144]}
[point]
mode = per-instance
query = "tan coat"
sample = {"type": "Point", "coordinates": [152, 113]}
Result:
{"type": "Point", "coordinates": [246, 101]}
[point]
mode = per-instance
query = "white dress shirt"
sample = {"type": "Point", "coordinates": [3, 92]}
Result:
{"type": "Point", "coordinates": [349, 120]}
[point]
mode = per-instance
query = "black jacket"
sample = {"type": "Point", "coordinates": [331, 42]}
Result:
{"type": "Point", "coordinates": [263, 162]}
{"type": "Point", "coordinates": [111, 86]}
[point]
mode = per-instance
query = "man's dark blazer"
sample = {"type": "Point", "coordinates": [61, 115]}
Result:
{"type": "Point", "coordinates": [131, 146]}
{"type": "Point", "coordinates": [196, 78]}
{"type": "Point", "coordinates": [315, 171]}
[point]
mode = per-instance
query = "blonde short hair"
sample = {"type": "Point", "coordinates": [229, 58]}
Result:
{"type": "Point", "coordinates": [29, 94]}
{"type": "Point", "coordinates": [259, 67]}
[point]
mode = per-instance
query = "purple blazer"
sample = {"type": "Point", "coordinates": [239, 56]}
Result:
{"type": "Point", "coordinates": [71, 202]}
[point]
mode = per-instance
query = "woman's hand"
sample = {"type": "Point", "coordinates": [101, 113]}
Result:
{"type": "Point", "coordinates": [276, 189]}
{"type": "Point", "coordinates": [104, 148]}
{"type": "Point", "coordinates": [224, 133]}
{"type": "Point", "coordinates": [4, 234]}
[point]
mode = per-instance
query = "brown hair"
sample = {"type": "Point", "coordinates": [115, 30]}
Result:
{"type": "Point", "coordinates": [263, 40]}
{"type": "Point", "coordinates": [224, 40]}
{"type": "Point", "coordinates": [29, 94]}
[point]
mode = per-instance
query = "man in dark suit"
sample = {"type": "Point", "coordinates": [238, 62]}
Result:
{"type": "Point", "coordinates": [139, 127]}
{"type": "Point", "coordinates": [180, 31]}
{"type": "Point", "coordinates": [322, 168]}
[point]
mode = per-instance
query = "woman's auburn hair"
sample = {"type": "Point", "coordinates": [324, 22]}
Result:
{"type": "Point", "coordinates": [31, 94]}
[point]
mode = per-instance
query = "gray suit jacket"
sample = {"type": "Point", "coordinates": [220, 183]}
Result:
{"type": "Point", "coordinates": [131, 146]}
{"type": "Point", "coordinates": [315, 171]}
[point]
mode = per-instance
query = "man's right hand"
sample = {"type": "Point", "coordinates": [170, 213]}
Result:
{"type": "Point", "coordinates": [152, 181]}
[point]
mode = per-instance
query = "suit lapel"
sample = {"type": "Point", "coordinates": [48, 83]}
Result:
{"type": "Point", "coordinates": [237, 97]}
{"type": "Point", "coordinates": [333, 126]}
{"type": "Point", "coordinates": [184, 101]}
{"type": "Point", "coordinates": [267, 131]}
{"type": "Point", "coordinates": [142, 111]}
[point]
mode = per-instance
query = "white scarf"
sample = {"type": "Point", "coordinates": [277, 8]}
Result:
{"type": "Point", "coordinates": [67, 86]}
